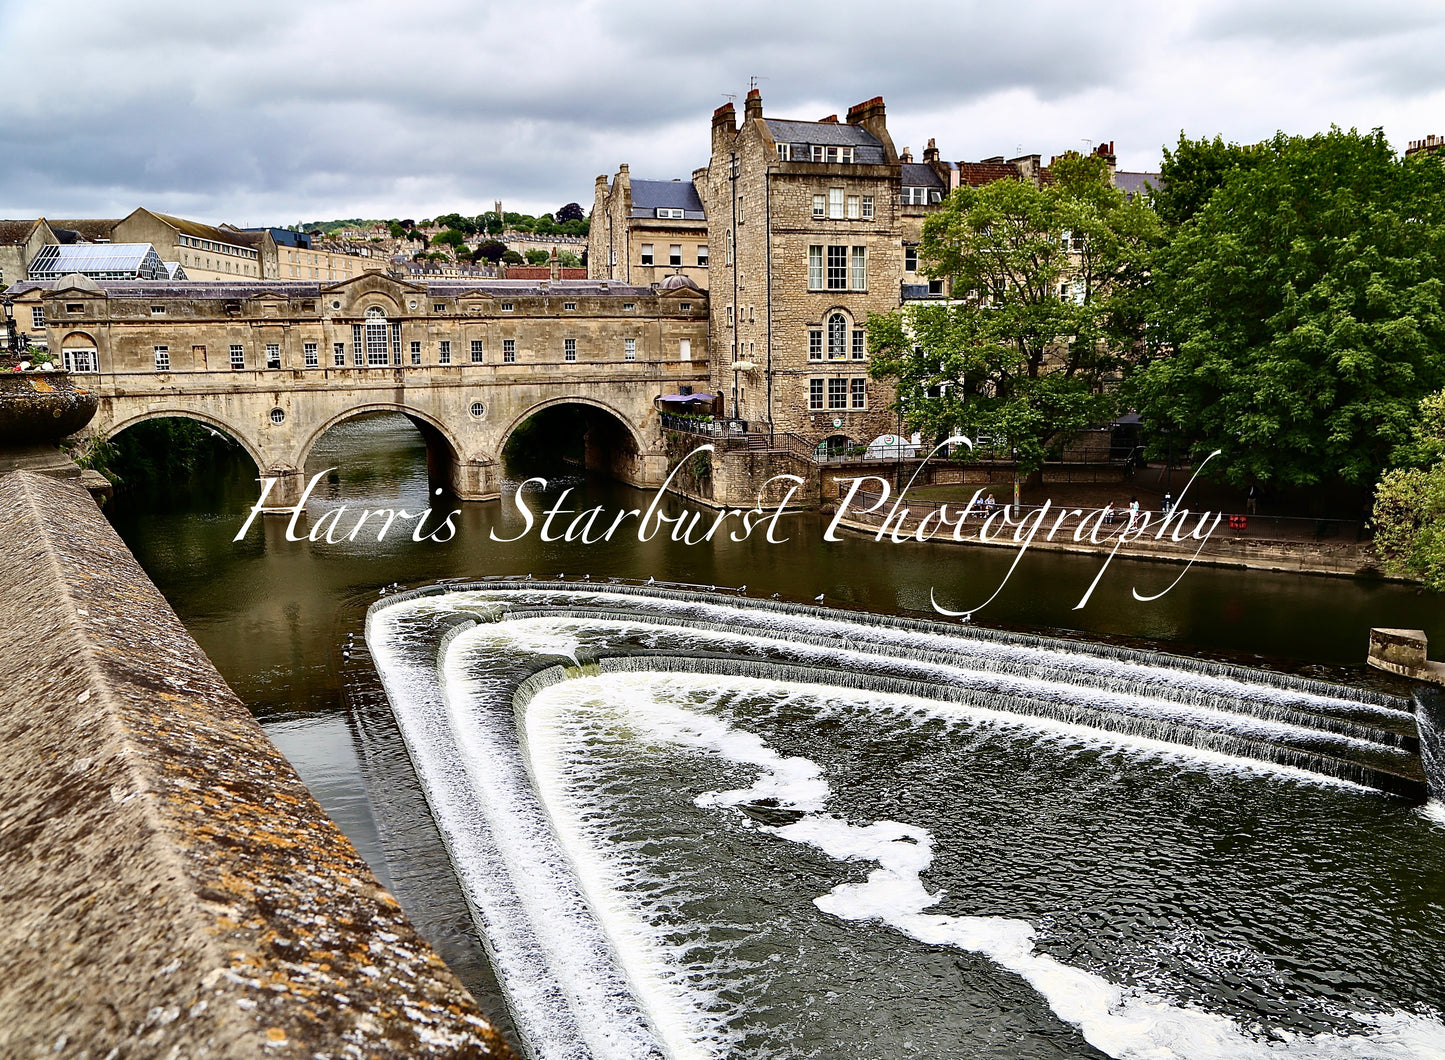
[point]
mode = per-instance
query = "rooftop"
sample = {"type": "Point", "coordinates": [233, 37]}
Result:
{"type": "Point", "coordinates": [867, 149]}
{"type": "Point", "coordinates": [98, 261]}
{"type": "Point", "coordinates": [650, 195]}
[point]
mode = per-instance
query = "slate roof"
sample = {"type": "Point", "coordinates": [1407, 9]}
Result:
{"type": "Point", "coordinates": [1133, 183]}
{"type": "Point", "coordinates": [867, 149]}
{"type": "Point", "coordinates": [228, 289]}
{"type": "Point", "coordinates": [15, 232]}
{"type": "Point", "coordinates": [90, 228]}
{"type": "Point", "coordinates": [669, 194]}
{"type": "Point", "coordinates": [919, 175]}
{"type": "Point", "coordinates": [198, 230]}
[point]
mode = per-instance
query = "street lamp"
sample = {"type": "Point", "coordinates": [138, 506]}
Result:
{"type": "Point", "coordinates": [1016, 477]}
{"type": "Point", "coordinates": [15, 341]}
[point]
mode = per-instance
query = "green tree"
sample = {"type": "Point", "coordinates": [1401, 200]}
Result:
{"type": "Point", "coordinates": [568, 260]}
{"type": "Point", "coordinates": [489, 250]}
{"type": "Point", "coordinates": [1194, 170]}
{"type": "Point", "coordinates": [396, 230]}
{"type": "Point", "coordinates": [451, 238]}
{"type": "Point", "coordinates": [538, 257]}
{"type": "Point", "coordinates": [570, 212]}
{"type": "Point", "coordinates": [1297, 318]}
{"type": "Point", "coordinates": [511, 257]}
{"type": "Point", "coordinates": [1042, 315]}
{"type": "Point", "coordinates": [1410, 502]}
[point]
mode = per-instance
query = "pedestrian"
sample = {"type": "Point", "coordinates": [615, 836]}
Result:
{"type": "Point", "coordinates": [989, 504]}
{"type": "Point", "coordinates": [1109, 513]}
{"type": "Point", "coordinates": [1251, 501]}
{"type": "Point", "coordinates": [1166, 505]}
{"type": "Point", "coordinates": [1133, 510]}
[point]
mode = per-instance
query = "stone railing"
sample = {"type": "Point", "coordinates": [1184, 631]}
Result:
{"type": "Point", "coordinates": [168, 887]}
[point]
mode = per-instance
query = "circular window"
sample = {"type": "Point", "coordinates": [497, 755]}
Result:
{"type": "Point", "coordinates": [335, 305]}
{"type": "Point", "coordinates": [477, 409]}
{"type": "Point", "coordinates": [411, 304]}
{"type": "Point", "coordinates": [278, 416]}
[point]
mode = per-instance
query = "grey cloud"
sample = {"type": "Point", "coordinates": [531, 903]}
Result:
{"type": "Point", "coordinates": [1289, 22]}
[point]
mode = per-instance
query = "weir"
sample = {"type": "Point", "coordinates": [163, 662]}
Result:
{"type": "Point", "coordinates": [508, 691]}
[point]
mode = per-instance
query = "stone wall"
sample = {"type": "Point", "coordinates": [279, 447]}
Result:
{"type": "Point", "coordinates": [168, 887]}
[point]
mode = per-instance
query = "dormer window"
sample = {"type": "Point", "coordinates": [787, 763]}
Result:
{"type": "Point", "coordinates": [785, 152]}
{"type": "Point", "coordinates": [669, 213]}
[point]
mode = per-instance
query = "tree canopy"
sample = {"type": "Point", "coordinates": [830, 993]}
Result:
{"type": "Point", "coordinates": [570, 212]}
{"type": "Point", "coordinates": [1043, 279]}
{"type": "Point", "coordinates": [1296, 318]}
{"type": "Point", "coordinates": [1410, 502]}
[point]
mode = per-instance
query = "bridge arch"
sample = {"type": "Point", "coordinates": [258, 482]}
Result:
{"type": "Point", "coordinates": [191, 414]}
{"type": "Point", "coordinates": [542, 406]}
{"type": "Point", "coordinates": [443, 450]}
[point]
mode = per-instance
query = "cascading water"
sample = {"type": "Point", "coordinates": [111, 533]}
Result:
{"type": "Point", "coordinates": [1430, 717]}
{"type": "Point", "coordinates": [697, 826]}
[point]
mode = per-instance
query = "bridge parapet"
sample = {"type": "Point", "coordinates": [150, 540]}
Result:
{"type": "Point", "coordinates": [167, 884]}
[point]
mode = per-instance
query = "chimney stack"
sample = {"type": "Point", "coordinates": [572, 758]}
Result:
{"type": "Point", "coordinates": [753, 108]}
{"type": "Point", "coordinates": [930, 153]}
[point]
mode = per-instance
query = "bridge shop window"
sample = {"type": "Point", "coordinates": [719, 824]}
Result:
{"type": "Point", "coordinates": [158, 310]}
{"type": "Point", "coordinates": [163, 358]}
{"type": "Point", "coordinates": [628, 307]}
{"type": "Point", "coordinates": [273, 355]}
{"type": "Point", "coordinates": [37, 317]}
{"type": "Point", "coordinates": [308, 352]}
{"type": "Point", "coordinates": [629, 349]}
{"type": "Point", "coordinates": [75, 307]}
{"type": "Point", "coordinates": [507, 307]}
{"type": "Point", "coordinates": [80, 361]}
{"type": "Point", "coordinates": [439, 307]}
{"type": "Point", "coordinates": [476, 351]}
{"type": "Point", "coordinates": [509, 351]}
{"type": "Point", "coordinates": [396, 344]}
{"type": "Point", "coordinates": [569, 349]}
{"type": "Point", "coordinates": [570, 307]}
{"type": "Point", "coordinates": [338, 354]}
{"type": "Point", "coordinates": [238, 356]}
{"type": "Point", "coordinates": [416, 353]}
{"type": "Point", "coordinates": [444, 352]}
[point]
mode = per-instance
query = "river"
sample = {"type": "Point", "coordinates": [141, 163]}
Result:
{"type": "Point", "coordinates": [277, 616]}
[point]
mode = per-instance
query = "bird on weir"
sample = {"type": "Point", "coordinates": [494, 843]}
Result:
{"type": "Point", "coordinates": [818, 599]}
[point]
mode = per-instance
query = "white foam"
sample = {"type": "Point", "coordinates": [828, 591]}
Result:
{"type": "Point", "coordinates": [1121, 1023]}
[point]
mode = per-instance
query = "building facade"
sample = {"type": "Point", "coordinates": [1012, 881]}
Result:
{"type": "Point", "coordinates": [806, 220]}
{"type": "Point", "coordinates": [645, 230]}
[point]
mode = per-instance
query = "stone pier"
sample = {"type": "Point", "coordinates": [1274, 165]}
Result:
{"type": "Point", "coordinates": [168, 887]}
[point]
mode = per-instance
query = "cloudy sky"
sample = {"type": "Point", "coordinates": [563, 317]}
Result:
{"type": "Point", "coordinates": [275, 112]}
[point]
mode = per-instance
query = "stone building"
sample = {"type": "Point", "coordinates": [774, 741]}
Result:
{"type": "Point", "coordinates": [372, 321]}
{"type": "Point", "coordinates": [20, 241]}
{"type": "Point", "coordinates": [805, 219]}
{"type": "Point", "coordinates": [645, 230]}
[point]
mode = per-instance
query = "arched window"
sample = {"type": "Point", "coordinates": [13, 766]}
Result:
{"type": "Point", "coordinates": [376, 336]}
{"type": "Point", "coordinates": [837, 337]}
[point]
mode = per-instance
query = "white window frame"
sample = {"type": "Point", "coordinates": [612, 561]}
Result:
{"type": "Point", "coordinates": [785, 152]}
{"type": "Point", "coordinates": [815, 344]}
{"type": "Point", "coordinates": [674, 254]}
{"type": "Point", "coordinates": [311, 355]}
{"type": "Point", "coordinates": [570, 307]}
{"type": "Point", "coordinates": [415, 352]}
{"type": "Point", "coordinates": [816, 274]}
{"type": "Point", "coordinates": [646, 254]}
{"type": "Point", "coordinates": [702, 255]}
{"type": "Point", "coordinates": [629, 349]}
{"type": "Point", "coordinates": [858, 271]}
{"type": "Point", "coordinates": [835, 204]}
{"type": "Point", "coordinates": [509, 351]}
{"type": "Point", "coordinates": [273, 355]}
{"type": "Point", "coordinates": [37, 317]}
{"type": "Point", "coordinates": [238, 356]}
{"type": "Point", "coordinates": [338, 354]}
{"type": "Point", "coordinates": [858, 392]}
{"type": "Point", "coordinates": [817, 392]}
{"type": "Point", "coordinates": [163, 358]}
{"type": "Point", "coordinates": [444, 351]}
{"type": "Point", "coordinates": [79, 360]}
{"type": "Point", "coordinates": [569, 350]}
{"type": "Point", "coordinates": [478, 352]}
{"type": "Point", "coordinates": [867, 207]}
{"type": "Point", "coordinates": [684, 349]}
{"type": "Point", "coordinates": [820, 207]}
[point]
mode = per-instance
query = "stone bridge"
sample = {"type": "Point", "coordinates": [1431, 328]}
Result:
{"type": "Point", "coordinates": [275, 365]}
